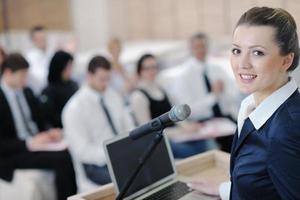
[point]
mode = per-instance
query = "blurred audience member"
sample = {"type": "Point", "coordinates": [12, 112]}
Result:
{"type": "Point", "coordinates": [94, 114]}
{"type": "Point", "coordinates": [197, 86]}
{"type": "Point", "coordinates": [39, 57]}
{"type": "Point", "coordinates": [23, 131]}
{"type": "Point", "coordinates": [201, 85]}
{"type": "Point", "coordinates": [149, 100]}
{"type": "Point", "coordinates": [60, 87]}
{"type": "Point", "coordinates": [120, 80]}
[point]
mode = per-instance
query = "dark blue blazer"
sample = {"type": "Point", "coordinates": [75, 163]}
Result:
{"type": "Point", "coordinates": [265, 163]}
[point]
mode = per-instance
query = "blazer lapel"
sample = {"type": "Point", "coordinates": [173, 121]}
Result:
{"type": "Point", "coordinates": [246, 130]}
{"type": "Point", "coordinates": [8, 119]}
{"type": "Point", "coordinates": [234, 142]}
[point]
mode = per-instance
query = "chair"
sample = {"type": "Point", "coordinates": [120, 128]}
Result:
{"type": "Point", "coordinates": [83, 183]}
{"type": "Point", "coordinates": [29, 185]}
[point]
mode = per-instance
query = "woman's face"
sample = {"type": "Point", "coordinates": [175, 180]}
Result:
{"type": "Point", "coordinates": [149, 69]}
{"type": "Point", "coordinates": [115, 48]}
{"type": "Point", "coordinates": [256, 61]}
{"type": "Point", "coordinates": [67, 72]}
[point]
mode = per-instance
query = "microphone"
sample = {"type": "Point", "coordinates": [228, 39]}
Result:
{"type": "Point", "coordinates": [177, 113]}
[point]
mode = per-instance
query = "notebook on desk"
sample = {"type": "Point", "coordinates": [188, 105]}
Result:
{"type": "Point", "coordinates": [157, 178]}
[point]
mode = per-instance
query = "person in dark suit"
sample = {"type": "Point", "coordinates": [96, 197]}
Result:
{"type": "Point", "coordinates": [23, 131]}
{"type": "Point", "coordinates": [265, 159]}
{"type": "Point", "coordinates": [60, 87]}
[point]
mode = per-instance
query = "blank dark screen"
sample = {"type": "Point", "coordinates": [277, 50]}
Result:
{"type": "Point", "coordinates": [124, 155]}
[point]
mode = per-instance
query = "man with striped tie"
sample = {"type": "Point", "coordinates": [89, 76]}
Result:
{"type": "Point", "coordinates": [23, 131]}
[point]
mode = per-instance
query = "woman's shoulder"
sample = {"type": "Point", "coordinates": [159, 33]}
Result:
{"type": "Point", "coordinates": [287, 119]}
{"type": "Point", "coordinates": [57, 86]}
{"type": "Point", "coordinates": [139, 94]}
{"type": "Point", "coordinates": [72, 83]}
{"type": "Point", "coordinates": [288, 114]}
{"type": "Point", "coordinates": [292, 106]}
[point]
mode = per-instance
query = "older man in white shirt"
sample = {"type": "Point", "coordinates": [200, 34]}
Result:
{"type": "Point", "coordinates": [94, 114]}
{"type": "Point", "coordinates": [201, 85]}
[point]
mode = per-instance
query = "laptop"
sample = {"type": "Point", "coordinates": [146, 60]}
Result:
{"type": "Point", "coordinates": [157, 178]}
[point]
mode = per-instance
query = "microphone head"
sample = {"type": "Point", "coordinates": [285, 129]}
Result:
{"type": "Point", "coordinates": [179, 112]}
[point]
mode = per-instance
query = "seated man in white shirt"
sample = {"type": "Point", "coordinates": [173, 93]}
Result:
{"type": "Point", "coordinates": [201, 85]}
{"type": "Point", "coordinates": [198, 84]}
{"type": "Point", "coordinates": [95, 113]}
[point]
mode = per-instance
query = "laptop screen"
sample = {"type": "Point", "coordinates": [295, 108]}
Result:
{"type": "Point", "coordinates": [123, 155]}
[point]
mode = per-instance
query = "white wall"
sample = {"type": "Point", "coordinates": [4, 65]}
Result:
{"type": "Point", "coordinates": [90, 22]}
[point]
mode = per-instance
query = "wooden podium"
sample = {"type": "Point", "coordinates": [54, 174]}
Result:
{"type": "Point", "coordinates": [213, 165]}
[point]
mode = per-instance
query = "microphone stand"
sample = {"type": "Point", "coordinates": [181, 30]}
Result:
{"type": "Point", "coordinates": [142, 161]}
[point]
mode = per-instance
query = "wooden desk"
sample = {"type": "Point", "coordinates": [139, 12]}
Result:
{"type": "Point", "coordinates": [213, 165]}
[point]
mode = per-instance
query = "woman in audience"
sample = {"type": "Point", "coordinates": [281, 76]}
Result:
{"type": "Point", "coordinates": [149, 100]}
{"type": "Point", "coordinates": [60, 87]}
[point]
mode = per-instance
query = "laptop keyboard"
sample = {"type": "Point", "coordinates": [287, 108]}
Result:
{"type": "Point", "coordinates": [171, 192]}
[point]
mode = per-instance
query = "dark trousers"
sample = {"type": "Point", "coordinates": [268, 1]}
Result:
{"type": "Point", "coordinates": [97, 174]}
{"type": "Point", "coordinates": [58, 161]}
{"type": "Point", "coordinates": [224, 142]}
{"type": "Point", "coordinates": [186, 149]}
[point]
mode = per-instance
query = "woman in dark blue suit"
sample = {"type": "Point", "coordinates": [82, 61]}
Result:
{"type": "Point", "coordinates": [265, 157]}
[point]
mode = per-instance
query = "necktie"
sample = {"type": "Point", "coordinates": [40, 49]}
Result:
{"type": "Point", "coordinates": [216, 108]}
{"type": "Point", "coordinates": [109, 119]}
{"type": "Point", "coordinates": [23, 115]}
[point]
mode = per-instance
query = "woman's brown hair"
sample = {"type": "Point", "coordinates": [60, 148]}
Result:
{"type": "Point", "coordinates": [285, 25]}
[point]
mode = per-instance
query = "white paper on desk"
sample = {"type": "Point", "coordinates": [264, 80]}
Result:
{"type": "Point", "coordinates": [57, 146]}
{"type": "Point", "coordinates": [213, 128]}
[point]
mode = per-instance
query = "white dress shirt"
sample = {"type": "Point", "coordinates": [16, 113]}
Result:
{"type": "Point", "coordinates": [190, 88]}
{"type": "Point", "coordinates": [86, 126]}
{"type": "Point", "coordinates": [39, 66]}
{"type": "Point", "coordinates": [259, 116]}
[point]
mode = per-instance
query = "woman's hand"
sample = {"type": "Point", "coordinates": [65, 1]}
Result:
{"type": "Point", "coordinates": [205, 186]}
